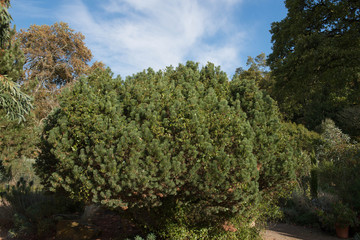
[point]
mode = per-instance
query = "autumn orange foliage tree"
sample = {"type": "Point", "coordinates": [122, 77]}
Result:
{"type": "Point", "coordinates": [55, 55]}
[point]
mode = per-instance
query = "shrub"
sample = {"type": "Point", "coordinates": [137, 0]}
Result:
{"type": "Point", "coordinates": [180, 224]}
{"type": "Point", "coordinates": [339, 165]}
{"type": "Point", "coordinates": [30, 212]}
{"type": "Point", "coordinates": [300, 209]}
{"type": "Point", "coordinates": [150, 236]}
{"type": "Point", "coordinates": [348, 120]}
{"type": "Point", "coordinates": [179, 135]}
{"type": "Point", "coordinates": [5, 174]}
{"type": "Point", "coordinates": [18, 148]}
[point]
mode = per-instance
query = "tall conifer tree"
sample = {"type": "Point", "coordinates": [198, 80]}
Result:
{"type": "Point", "coordinates": [14, 103]}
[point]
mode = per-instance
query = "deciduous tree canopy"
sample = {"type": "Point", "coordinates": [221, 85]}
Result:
{"type": "Point", "coordinates": [258, 71]}
{"type": "Point", "coordinates": [55, 55]}
{"type": "Point", "coordinates": [316, 58]}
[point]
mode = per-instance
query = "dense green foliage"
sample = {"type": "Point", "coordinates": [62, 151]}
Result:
{"type": "Point", "coordinates": [258, 71]}
{"type": "Point", "coordinates": [315, 59]}
{"type": "Point", "coordinates": [185, 153]}
{"type": "Point", "coordinates": [13, 102]}
{"type": "Point", "coordinates": [337, 180]}
{"type": "Point", "coordinates": [5, 20]}
{"type": "Point", "coordinates": [182, 135]}
{"type": "Point", "coordinates": [30, 213]}
{"type": "Point", "coordinates": [315, 67]}
{"type": "Point", "coordinates": [18, 140]}
{"type": "Point", "coordinates": [348, 120]}
{"type": "Point", "coordinates": [339, 165]}
{"type": "Point", "coordinates": [54, 56]}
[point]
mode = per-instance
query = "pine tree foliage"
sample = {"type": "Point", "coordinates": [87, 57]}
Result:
{"type": "Point", "coordinates": [282, 148]}
{"type": "Point", "coordinates": [183, 134]}
{"type": "Point", "coordinates": [5, 20]}
{"type": "Point", "coordinates": [12, 100]}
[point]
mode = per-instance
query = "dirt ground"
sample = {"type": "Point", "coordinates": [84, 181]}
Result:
{"type": "Point", "coordinates": [282, 231]}
{"type": "Point", "coordinates": [2, 235]}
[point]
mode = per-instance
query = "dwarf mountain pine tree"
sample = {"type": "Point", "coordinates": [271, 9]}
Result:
{"type": "Point", "coordinates": [183, 134]}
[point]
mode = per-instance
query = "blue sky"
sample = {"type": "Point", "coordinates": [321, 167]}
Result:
{"type": "Point", "coordinates": [132, 35]}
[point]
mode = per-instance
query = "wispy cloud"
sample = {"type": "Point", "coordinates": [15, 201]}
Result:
{"type": "Point", "coordinates": [131, 35]}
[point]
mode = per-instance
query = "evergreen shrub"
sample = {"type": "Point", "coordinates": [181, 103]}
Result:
{"type": "Point", "coordinates": [18, 148]}
{"type": "Point", "coordinates": [180, 135]}
{"type": "Point", "coordinates": [29, 213]}
{"type": "Point", "coordinates": [339, 165]}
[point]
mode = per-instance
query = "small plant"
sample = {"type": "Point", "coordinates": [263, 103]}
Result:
{"type": "Point", "coordinates": [339, 214]}
{"type": "Point", "coordinates": [326, 220]}
{"type": "Point", "coordinates": [150, 236]}
{"type": "Point", "coordinates": [357, 236]}
{"type": "Point", "coordinates": [18, 200]}
{"type": "Point", "coordinates": [299, 209]}
{"type": "Point", "coordinates": [5, 174]}
{"type": "Point", "coordinates": [30, 211]}
{"type": "Point", "coordinates": [338, 167]}
{"type": "Point", "coordinates": [344, 215]}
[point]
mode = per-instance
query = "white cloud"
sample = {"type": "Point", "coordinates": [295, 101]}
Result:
{"type": "Point", "coordinates": [131, 35]}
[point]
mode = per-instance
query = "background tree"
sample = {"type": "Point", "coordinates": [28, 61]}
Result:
{"type": "Point", "coordinates": [16, 135]}
{"type": "Point", "coordinates": [259, 71]}
{"type": "Point", "coordinates": [339, 164]}
{"type": "Point", "coordinates": [316, 58]}
{"type": "Point", "coordinates": [55, 55]}
{"type": "Point", "coordinates": [18, 148]}
{"type": "Point", "coordinates": [13, 103]}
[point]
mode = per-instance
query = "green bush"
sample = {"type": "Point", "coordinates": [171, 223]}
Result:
{"type": "Point", "coordinates": [348, 120]}
{"type": "Point", "coordinates": [150, 236]}
{"type": "Point", "coordinates": [300, 210]}
{"type": "Point", "coordinates": [18, 139]}
{"type": "Point", "coordinates": [339, 165]}
{"type": "Point", "coordinates": [5, 174]}
{"type": "Point", "coordinates": [179, 135]}
{"type": "Point", "coordinates": [30, 212]}
{"type": "Point", "coordinates": [180, 224]}
{"type": "Point", "coordinates": [18, 148]}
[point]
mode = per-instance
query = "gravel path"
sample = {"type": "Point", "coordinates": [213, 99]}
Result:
{"type": "Point", "coordinates": [282, 231]}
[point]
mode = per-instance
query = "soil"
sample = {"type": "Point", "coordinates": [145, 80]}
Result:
{"type": "Point", "coordinates": [283, 231]}
{"type": "Point", "coordinates": [112, 226]}
{"type": "Point", "coordinates": [2, 235]}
